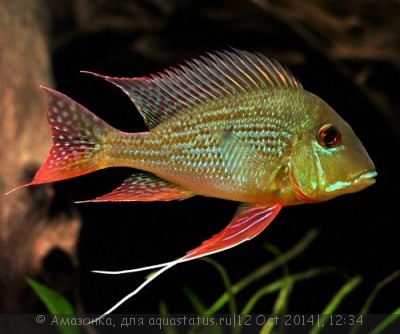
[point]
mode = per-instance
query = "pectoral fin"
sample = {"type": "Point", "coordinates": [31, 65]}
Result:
{"type": "Point", "coordinates": [144, 187]}
{"type": "Point", "coordinates": [251, 168]}
{"type": "Point", "coordinates": [237, 154]}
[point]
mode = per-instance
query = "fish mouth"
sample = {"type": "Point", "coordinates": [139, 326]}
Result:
{"type": "Point", "coordinates": [362, 181]}
{"type": "Point", "coordinates": [365, 179]}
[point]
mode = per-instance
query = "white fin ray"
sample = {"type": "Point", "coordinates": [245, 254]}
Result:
{"type": "Point", "coordinates": [248, 222]}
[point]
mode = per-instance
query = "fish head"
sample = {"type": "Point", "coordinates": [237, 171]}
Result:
{"type": "Point", "coordinates": [328, 159]}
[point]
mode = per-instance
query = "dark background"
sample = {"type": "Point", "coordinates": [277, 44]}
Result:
{"type": "Point", "coordinates": [345, 52]}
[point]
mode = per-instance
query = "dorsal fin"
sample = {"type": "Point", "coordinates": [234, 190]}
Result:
{"type": "Point", "coordinates": [209, 78]}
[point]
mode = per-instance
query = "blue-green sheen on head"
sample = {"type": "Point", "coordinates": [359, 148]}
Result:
{"type": "Point", "coordinates": [329, 160]}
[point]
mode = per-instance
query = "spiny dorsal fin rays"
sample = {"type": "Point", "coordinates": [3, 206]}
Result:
{"type": "Point", "coordinates": [201, 81]}
{"type": "Point", "coordinates": [209, 78]}
{"type": "Point", "coordinates": [227, 78]}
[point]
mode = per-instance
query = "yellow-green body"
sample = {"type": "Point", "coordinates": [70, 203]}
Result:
{"type": "Point", "coordinates": [272, 134]}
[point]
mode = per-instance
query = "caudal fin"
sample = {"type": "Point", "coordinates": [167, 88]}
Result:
{"type": "Point", "coordinates": [78, 136]}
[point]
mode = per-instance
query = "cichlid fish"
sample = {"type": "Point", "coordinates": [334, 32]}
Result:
{"type": "Point", "coordinates": [233, 125]}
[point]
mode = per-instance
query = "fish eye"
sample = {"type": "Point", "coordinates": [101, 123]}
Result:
{"type": "Point", "coordinates": [329, 136]}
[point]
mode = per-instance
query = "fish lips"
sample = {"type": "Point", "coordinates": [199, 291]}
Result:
{"type": "Point", "coordinates": [361, 181]}
{"type": "Point", "coordinates": [365, 179]}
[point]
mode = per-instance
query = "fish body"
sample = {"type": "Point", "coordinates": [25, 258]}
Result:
{"type": "Point", "coordinates": [237, 149]}
{"type": "Point", "coordinates": [233, 125]}
{"type": "Point", "coordinates": [234, 150]}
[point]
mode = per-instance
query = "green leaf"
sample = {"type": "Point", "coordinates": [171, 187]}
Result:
{"type": "Point", "coordinates": [227, 283]}
{"type": "Point", "coordinates": [366, 307]}
{"type": "Point", "coordinates": [195, 300]}
{"type": "Point", "coordinates": [55, 303]}
{"type": "Point", "coordinates": [395, 316]}
{"type": "Point", "coordinates": [164, 312]}
{"type": "Point", "coordinates": [262, 271]}
{"type": "Point", "coordinates": [379, 286]}
{"type": "Point", "coordinates": [277, 285]}
{"type": "Point", "coordinates": [346, 289]}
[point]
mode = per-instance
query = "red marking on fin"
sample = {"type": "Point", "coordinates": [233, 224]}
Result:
{"type": "Point", "coordinates": [144, 188]}
{"type": "Point", "coordinates": [249, 221]}
{"type": "Point", "coordinates": [77, 138]}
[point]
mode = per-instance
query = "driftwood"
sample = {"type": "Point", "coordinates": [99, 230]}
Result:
{"type": "Point", "coordinates": [29, 233]}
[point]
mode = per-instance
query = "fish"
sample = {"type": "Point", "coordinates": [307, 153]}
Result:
{"type": "Point", "coordinates": [231, 124]}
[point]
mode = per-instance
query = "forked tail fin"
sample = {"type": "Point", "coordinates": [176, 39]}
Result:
{"type": "Point", "coordinates": [78, 136]}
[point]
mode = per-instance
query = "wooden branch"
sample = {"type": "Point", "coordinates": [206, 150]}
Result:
{"type": "Point", "coordinates": [27, 232]}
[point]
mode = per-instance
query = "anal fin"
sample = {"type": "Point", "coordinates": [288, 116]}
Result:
{"type": "Point", "coordinates": [142, 187]}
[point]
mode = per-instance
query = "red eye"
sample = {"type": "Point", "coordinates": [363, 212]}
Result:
{"type": "Point", "coordinates": [329, 136]}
